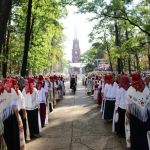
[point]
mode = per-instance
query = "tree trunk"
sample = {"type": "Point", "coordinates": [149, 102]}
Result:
{"type": "Point", "coordinates": [27, 40]}
{"type": "Point", "coordinates": [137, 62]}
{"type": "Point", "coordinates": [117, 41]}
{"type": "Point", "coordinates": [148, 52]}
{"type": "Point", "coordinates": [111, 68]}
{"type": "Point", "coordinates": [129, 57]}
{"type": "Point", "coordinates": [5, 9]}
{"type": "Point", "coordinates": [107, 48]}
{"type": "Point", "coordinates": [6, 53]}
{"type": "Point", "coordinates": [129, 64]}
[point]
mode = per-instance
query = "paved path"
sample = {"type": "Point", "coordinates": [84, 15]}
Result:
{"type": "Point", "coordinates": [75, 124]}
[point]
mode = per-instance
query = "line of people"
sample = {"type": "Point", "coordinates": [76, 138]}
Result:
{"type": "Point", "coordinates": [24, 108]}
{"type": "Point", "coordinates": [124, 100]}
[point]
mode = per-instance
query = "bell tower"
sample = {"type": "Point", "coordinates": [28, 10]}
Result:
{"type": "Point", "coordinates": [75, 49]}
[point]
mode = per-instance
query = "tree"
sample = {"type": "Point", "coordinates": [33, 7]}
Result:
{"type": "Point", "coordinates": [27, 39]}
{"type": "Point", "coordinates": [5, 9]}
{"type": "Point", "coordinates": [125, 25]}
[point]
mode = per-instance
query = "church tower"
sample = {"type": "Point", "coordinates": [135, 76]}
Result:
{"type": "Point", "coordinates": [75, 49]}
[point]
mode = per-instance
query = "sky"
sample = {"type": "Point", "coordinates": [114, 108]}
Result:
{"type": "Point", "coordinates": [79, 23]}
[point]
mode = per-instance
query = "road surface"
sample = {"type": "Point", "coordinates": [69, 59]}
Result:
{"type": "Point", "coordinates": [76, 124]}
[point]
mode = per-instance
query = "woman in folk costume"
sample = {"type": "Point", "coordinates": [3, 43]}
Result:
{"type": "Point", "coordinates": [54, 86]}
{"type": "Point", "coordinates": [89, 84]}
{"type": "Point", "coordinates": [110, 91]}
{"type": "Point", "coordinates": [105, 82]}
{"type": "Point", "coordinates": [21, 107]}
{"type": "Point", "coordinates": [47, 94]}
{"type": "Point", "coordinates": [51, 94]}
{"type": "Point", "coordinates": [138, 112]}
{"type": "Point", "coordinates": [32, 107]}
{"type": "Point", "coordinates": [100, 87]}
{"type": "Point", "coordinates": [2, 106]}
{"type": "Point", "coordinates": [120, 105]}
{"type": "Point", "coordinates": [10, 117]}
{"type": "Point", "coordinates": [42, 100]}
{"type": "Point", "coordinates": [22, 112]}
{"type": "Point", "coordinates": [147, 82]}
{"type": "Point", "coordinates": [62, 85]}
{"type": "Point", "coordinates": [96, 90]}
{"type": "Point", "coordinates": [56, 90]}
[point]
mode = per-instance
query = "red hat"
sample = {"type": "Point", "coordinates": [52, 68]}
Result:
{"type": "Point", "coordinates": [14, 82]}
{"type": "Point", "coordinates": [108, 78]}
{"type": "Point", "coordinates": [30, 80]}
{"type": "Point", "coordinates": [8, 80]}
{"type": "Point", "coordinates": [136, 77]}
{"type": "Point", "coordinates": [1, 88]}
{"type": "Point", "coordinates": [55, 77]}
{"type": "Point", "coordinates": [39, 82]}
{"type": "Point", "coordinates": [137, 82]}
{"type": "Point", "coordinates": [51, 78]}
{"type": "Point", "coordinates": [97, 77]}
{"type": "Point", "coordinates": [124, 82]}
{"type": "Point", "coordinates": [41, 78]}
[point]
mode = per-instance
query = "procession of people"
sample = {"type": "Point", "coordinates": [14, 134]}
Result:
{"type": "Point", "coordinates": [25, 104]}
{"type": "Point", "coordinates": [124, 100]}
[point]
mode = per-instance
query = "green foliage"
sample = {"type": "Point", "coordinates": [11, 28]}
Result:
{"type": "Point", "coordinates": [46, 46]}
{"type": "Point", "coordinates": [133, 22]}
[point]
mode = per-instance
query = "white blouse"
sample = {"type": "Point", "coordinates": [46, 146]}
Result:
{"type": "Point", "coordinates": [42, 95]}
{"type": "Point", "coordinates": [110, 90]}
{"type": "Point", "coordinates": [21, 100]}
{"type": "Point", "coordinates": [31, 100]}
{"type": "Point", "coordinates": [120, 98]}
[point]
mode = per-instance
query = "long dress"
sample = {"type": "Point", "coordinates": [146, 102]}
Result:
{"type": "Point", "coordinates": [32, 107]}
{"type": "Point", "coordinates": [42, 101]}
{"type": "Point", "coordinates": [95, 92]}
{"type": "Point", "coordinates": [89, 85]}
{"type": "Point", "coordinates": [120, 108]}
{"type": "Point", "coordinates": [99, 98]}
{"type": "Point", "coordinates": [11, 127]}
{"type": "Point", "coordinates": [109, 100]}
{"type": "Point", "coordinates": [138, 107]}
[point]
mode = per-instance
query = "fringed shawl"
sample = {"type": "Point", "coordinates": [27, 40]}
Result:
{"type": "Point", "coordinates": [138, 103]}
{"type": "Point", "coordinates": [5, 103]}
{"type": "Point", "coordinates": [1, 126]}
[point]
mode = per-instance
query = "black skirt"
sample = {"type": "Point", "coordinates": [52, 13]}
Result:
{"type": "Point", "coordinates": [33, 122]}
{"type": "Point", "coordinates": [109, 109]}
{"type": "Point", "coordinates": [11, 133]}
{"type": "Point", "coordinates": [120, 125]}
{"type": "Point", "coordinates": [138, 131]}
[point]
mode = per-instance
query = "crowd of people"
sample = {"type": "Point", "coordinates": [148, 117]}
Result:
{"type": "Point", "coordinates": [24, 107]}
{"type": "Point", "coordinates": [125, 101]}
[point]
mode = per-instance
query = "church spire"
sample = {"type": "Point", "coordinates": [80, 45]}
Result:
{"type": "Point", "coordinates": [75, 34]}
{"type": "Point", "coordinates": [76, 48]}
